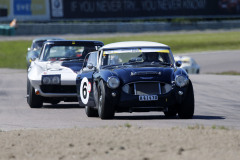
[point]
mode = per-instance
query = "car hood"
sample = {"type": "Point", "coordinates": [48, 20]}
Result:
{"type": "Point", "coordinates": [129, 74]}
{"type": "Point", "coordinates": [75, 66]}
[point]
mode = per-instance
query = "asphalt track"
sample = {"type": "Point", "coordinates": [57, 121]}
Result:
{"type": "Point", "coordinates": [217, 101]}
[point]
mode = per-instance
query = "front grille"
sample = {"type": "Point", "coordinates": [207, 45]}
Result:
{"type": "Point", "coordinates": [147, 88]}
{"type": "Point", "coordinates": [58, 89]}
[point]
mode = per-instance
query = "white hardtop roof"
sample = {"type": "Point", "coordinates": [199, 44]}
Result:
{"type": "Point", "coordinates": [130, 44]}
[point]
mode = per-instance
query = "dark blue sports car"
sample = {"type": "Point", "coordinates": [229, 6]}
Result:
{"type": "Point", "coordinates": [134, 76]}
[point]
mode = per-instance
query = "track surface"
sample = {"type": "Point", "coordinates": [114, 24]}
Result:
{"type": "Point", "coordinates": [216, 101]}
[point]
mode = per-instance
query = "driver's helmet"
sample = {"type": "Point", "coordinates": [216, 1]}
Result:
{"type": "Point", "coordinates": [150, 56]}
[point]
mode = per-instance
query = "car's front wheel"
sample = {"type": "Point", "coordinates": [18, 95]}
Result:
{"type": "Point", "coordinates": [105, 109]}
{"type": "Point", "coordinates": [186, 109]}
{"type": "Point", "coordinates": [91, 112]}
{"type": "Point", "coordinates": [33, 100]}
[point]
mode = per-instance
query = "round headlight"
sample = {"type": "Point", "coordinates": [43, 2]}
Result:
{"type": "Point", "coordinates": [46, 80]}
{"type": "Point", "coordinates": [55, 80]}
{"type": "Point", "coordinates": [181, 81]}
{"type": "Point", "coordinates": [113, 82]}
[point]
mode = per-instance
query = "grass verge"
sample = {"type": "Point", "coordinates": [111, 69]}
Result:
{"type": "Point", "coordinates": [229, 73]}
{"type": "Point", "coordinates": [13, 53]}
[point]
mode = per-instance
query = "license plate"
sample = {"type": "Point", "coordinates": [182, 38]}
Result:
{"type": "Point", "coordinates": [148, 98]}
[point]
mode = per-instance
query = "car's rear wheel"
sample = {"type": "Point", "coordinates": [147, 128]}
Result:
{"type": "Point", "coordinates": [105, 110]}
{"type": "Point", "coordinates": [186, 109]}
{"type": "Point", "coordinates": [91, 112]}
{"type": "Point", "coordinates": [33, 100]}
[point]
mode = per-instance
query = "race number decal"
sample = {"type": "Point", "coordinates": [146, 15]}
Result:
{"type": "Point", "coordinates": [85, 89]}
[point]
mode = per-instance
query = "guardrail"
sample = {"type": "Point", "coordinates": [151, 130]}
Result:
{"type": "Point", "coordinates": [121, 27]}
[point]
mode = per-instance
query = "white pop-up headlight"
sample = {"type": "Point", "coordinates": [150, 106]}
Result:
{"type": "Point", "coordinates": [46, 80]}
{"type": "Point", "coordinates": [55, 80]}
{"type": "Point", "coordinates": [113, 82]}
{"type": "Point", "coordinates": [51, 79]}
{"type": "Point", "coordinates": [181, 81]}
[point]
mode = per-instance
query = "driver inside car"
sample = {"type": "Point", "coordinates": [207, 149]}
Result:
{"type": "Point", "coordinates": [150, 57]}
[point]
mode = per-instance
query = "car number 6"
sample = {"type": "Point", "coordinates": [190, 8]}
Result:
{"type": "Point", "coordinates": [85, 89]}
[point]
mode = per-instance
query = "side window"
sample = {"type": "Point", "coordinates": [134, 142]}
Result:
{"type": "Point", "coordinates": [92, 59]}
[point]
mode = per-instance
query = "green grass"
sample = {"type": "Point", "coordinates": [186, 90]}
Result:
{"type": "Point", "coordinates": [13, 53]}
{"type": "Point", "coordinates": [220, 127]}
{"type": "Point", "coordinates": [197, 126]}
{"type": "Point", "coordinates": [229, 73]}
{"type": "Point", "coordinates": [127, 125]}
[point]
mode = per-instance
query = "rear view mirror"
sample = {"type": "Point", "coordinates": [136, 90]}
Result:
{"type": "Point", "coordinates": [178, 63]}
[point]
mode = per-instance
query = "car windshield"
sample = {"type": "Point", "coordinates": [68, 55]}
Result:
{"type": "Point", "coordinates": [37, 45]}
{"type": "Point", "coordinates": [137, 56]}
{"type": "Point", "coordinates": [62, 52]}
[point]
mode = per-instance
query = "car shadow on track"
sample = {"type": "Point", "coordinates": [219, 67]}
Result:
{"type": "Point", "coordinates": [208, 117]}
{"type": "Point", "coordinates": [61, 106]}
{"type": "Point", "coordinates": [155, 117]}
{"type": "Point", "coordinates": [143, 117]}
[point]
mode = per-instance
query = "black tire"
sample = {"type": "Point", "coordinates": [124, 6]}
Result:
{"type": "Point", "coordinates": [33, 100]}
{"type": "Point", "coordinates": [198, 71]}
{"type": "Point", "coordinates": [170, 114]}
{"type": "Point", "coordinates": [186, 109]}
{"type": "Point", "coordinates": [95, 94]}
{"type": "Point", "coordinates": [105, 109]}
{"type": "Point", "coordinates": [91, 112]}
{"type": "Point", "coordinates": [55, 101]}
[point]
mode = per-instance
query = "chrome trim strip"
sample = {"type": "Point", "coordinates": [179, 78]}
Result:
{"type": "Point", "coordinates": [159, 87]}
{"type": "Point", "coordinates": [135, 90]}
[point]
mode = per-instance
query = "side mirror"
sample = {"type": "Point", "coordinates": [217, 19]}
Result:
{"type": "Point", "coordinates": [178, 63]}
{"type": "Point", "coordinates": [90, 66]}
{"type": "Point", "coordinates": [29, 49]}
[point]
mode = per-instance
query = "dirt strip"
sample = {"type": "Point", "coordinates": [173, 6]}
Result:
{"type": "Point", "coordinates": [121, 142]}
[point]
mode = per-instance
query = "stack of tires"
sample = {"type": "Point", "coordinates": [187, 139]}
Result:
{"type": "Point", "coordinates": [6, 30]}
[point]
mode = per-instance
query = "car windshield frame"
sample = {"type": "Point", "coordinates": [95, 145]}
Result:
{"type": "Point", "coordinates": [134, 56]}
{"type": "Point", "coordinates": [67, 56]}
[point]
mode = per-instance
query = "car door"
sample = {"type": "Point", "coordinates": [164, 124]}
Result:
{"type": "Point", "coordinates": [85, 81]}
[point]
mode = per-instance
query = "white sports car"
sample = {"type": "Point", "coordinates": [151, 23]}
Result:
{"type": "Point", "coordinates": [52, 76]}
{"type": "Point", "coordinates": [189, 64]}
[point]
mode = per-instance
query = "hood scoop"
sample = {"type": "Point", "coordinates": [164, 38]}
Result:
{"type": "Point", "coordinates": [145, 73]}
{"type": "Point", "coordinates": [54, 66]}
